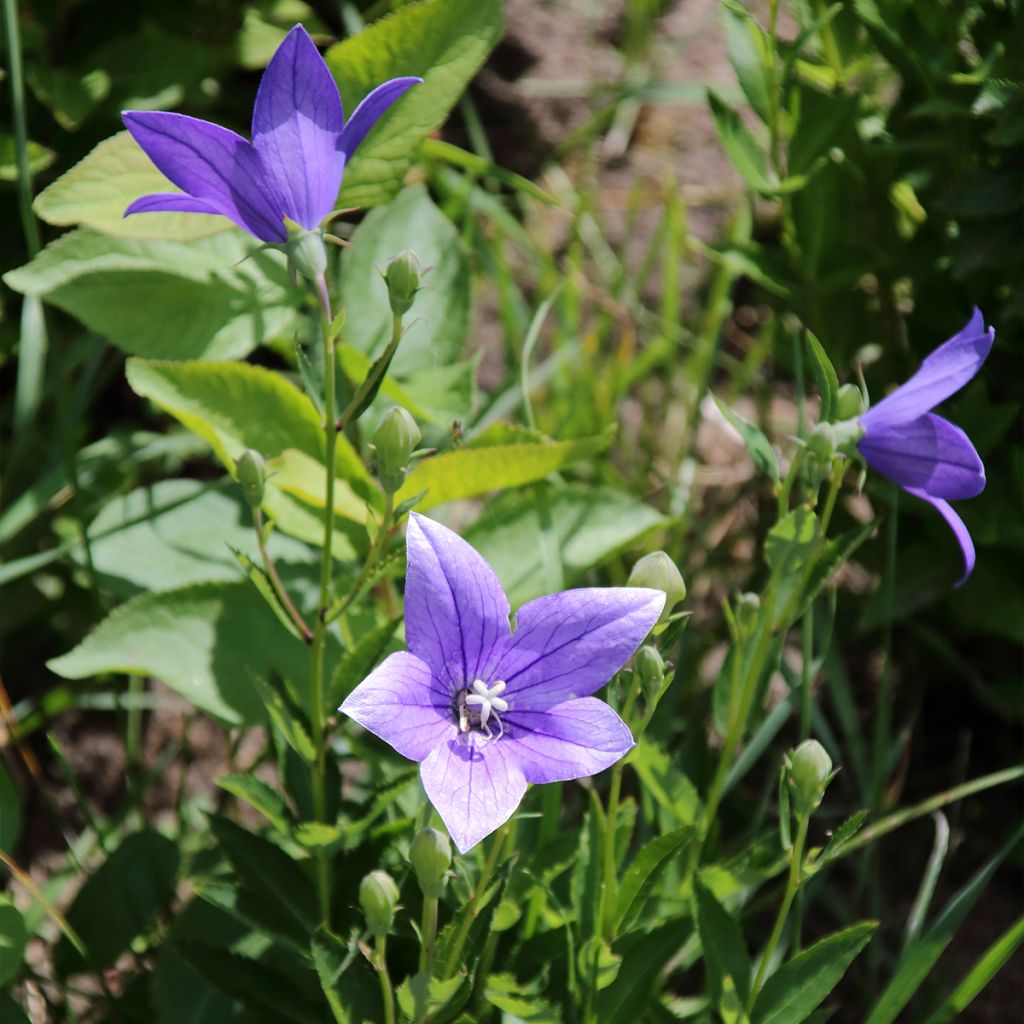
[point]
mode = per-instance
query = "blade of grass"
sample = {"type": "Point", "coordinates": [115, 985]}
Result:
{"type": "Point", "coordinates": [926, 890]}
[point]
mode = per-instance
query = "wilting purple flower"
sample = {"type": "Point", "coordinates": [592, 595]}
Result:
{"type": "Point", "coordinates": [925, 454]}
{"type": "Point", "coordinates": [485, 709]}
{"type": "Point", "coordinates": [293, 166]}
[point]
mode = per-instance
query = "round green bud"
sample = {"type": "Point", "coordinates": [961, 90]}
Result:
{"type": "Point", "coordinates": [748, 608]}
{"type": "Point", "coordinates": [650, 666]}
{"type": "Point", "coordinates": [822, 443]}
{"type": "Point", "coordinates": [396, 439]}
{"type": "Point", "coordinates": [431, 857]}
{"type": "Point", "coordinates": [403, 278]}
{"type": "Point", "coordinates": [849, 402]}
{"type": "Point", "coordinates": [307, 255]}
{"type": "Point", "coordinates": [658, 572]}
{"type": "Point", "coordinates": [810, 769]}
{"type": "Point", "coordinates": [378, 896]}
{"type": "Point", "coordinates": [251, 473]}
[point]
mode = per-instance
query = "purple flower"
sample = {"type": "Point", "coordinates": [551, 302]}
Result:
{"type": "Point", "coordinates": [925, 454]}
{"type": "Point", "coordinates": [485, 709]}
{"type": "Point", "coordinates": [293, 166]}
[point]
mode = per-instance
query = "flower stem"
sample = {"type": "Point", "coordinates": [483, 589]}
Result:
{"type": "Point", "coordinates": [428, 933]}
{"type": "Point", "coordinates": [387, 992]}
{"type": "Point", "coordinates": [792, 885]}
{"type": "Point", "coordinates": [377, 371]}
{"type": "Point", "coordinates": [372, 557]}
{"type": "Point", "coordinates": [320, 629]}
{"type": "Point", "coordinates": [275, 581]}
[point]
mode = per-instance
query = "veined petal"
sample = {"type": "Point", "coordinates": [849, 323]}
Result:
{"type": "Point", "coordinates": [929, 453]}
{"type": "Point", "coordinates": [402, 703]}
{"type": "Point", "coordinates": [567, 741]}
{"type": "Point", "coordinates": [456, 612]}
{"type": "Point", "coordinates": [568, 645]}
{"type": "Point", "coordinates": [295, 126]}
{"type": "Point", "coordinates": [370, 110]}
{"type": "Point", "coordinates": [940, 375]}
{"type": "Point", "coordinates": [957, 525]}
{"type": "Point", "coordinates": [474, 786]}
{"type": "Point", "coordinates": [212, 164]}
{"type": "Point", "coordinates": [171, 202]}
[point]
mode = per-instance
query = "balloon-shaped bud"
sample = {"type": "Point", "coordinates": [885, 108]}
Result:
{"type": "Point", "coordinates": [403, 278]}
{"type": "Point", "coordinates": [810, 772]}
{"type": "Point", "coordinates": [431, 857]}
{"type": "Point", "coordinates": [748, 608]}
{"type": "Point", "coordinates": [650, 666]}
{"type": "Point", "coordinates": [396, 439]}
{"type": "Point", "coordinates": [849, 402]}
{"type": "Point", "coordinates": [658, 572]}
{"type": "Point", "coordinates": [251, 474]}
{"type": "Point", "coordinates": [307, 255]}
{"type": "Point", "coordinates": [378, 896]}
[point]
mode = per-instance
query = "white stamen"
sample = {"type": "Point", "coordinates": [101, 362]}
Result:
{"type": "Point", "coordinates": [487, 700]}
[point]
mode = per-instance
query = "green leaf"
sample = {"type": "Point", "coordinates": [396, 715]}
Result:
{"type": "Point", "coordinates": [175, 533]}
{"type": "Point", "coordinates": [235, 406]}
{"type": "Point", "coordinates": [13, 940]}
{"type": "Point", "coordinates": [758, 446]}
{"type": "Point", "coordinates": [163, 299]}
{"type": "Point", "coordinates": [643, 873]}
{"type": "Point", "coordinates": [71, 96]}
{"type": "Point", "coordinates": [725, 953]}
{"type": "Point", "coordinates": [467, 472]}
{"type": "Point", "coordinates": [824, 377]}
{"type": "Point", "coordinates": [39, 157]}
{"type": "Point", "coordinates": [98, 189]}
{"type": "Point", "coordinates": [259, 579]}
{"type": "Point", "coordinates": [920, 956]}
{"type": "Point", "coordinates": [10, 811]}
{"type": "Point", "coordinates": [207, 642]}
{"type": "Point", "coordinates": [842, 835]}
{"type": "Point", "coordinates": [357, 662]}
{"type": "Point", "coordinates": [575, 527]}
{"type": "Point", "coordinates": [443, 41]}
{"type": "Point", "coordinates": [750, 57]}
{"type": "Point", "coordinates": [268, 871]}
{"type": "Point", "coordinates": [662, 778]}
{"type": "Point", "coordinates": [796, 989]}
{"type": "Point", "coordinates": [643, 959]}
{"type": "Point", "coordinates": [822, 124]}
{"type": "Point", "coordinates": [740, 146]}
{"type": "Point", "coordinates": [436, 326]}
{"type": "Point", "coordinates": [792, 540]}
{"type": "Point", "coordinates": [836, 553]}
{"type": "Point", "coordinates": [257, 793]}
{"type": "Point", "coordinates": [121, 899]}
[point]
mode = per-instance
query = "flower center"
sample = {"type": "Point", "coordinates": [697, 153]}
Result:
{"type": "Point", "coordinates": [478, 704]}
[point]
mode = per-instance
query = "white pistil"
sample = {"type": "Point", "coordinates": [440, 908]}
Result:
{"type": "Point", "coordinates": [487, 699]}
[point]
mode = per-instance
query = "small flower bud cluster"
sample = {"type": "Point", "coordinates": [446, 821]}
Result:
{"type": "Point", "coordinates": [395, 442]}
{"type": "Point", "coordinates": [657, 571]}
{"type": "Point", "coordinates": [378, 896]}
{"type": "Point", "coordinates": [431, 857]}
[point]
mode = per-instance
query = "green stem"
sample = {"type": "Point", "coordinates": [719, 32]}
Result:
{"type": "Point", "coordinates": [319, 644]}
{"type": "Point", "coordinates": [376, 546]}
{"type": "Point", "coordinates": [792, 885]}
{"type": "Point", "coordinates": [428, 933]}
{"type": "Point", "coordinates": [377, 371]}
{"type": "Point", "coordinates": [275, 581]}
{"type": "Point", "coordinates": [387, 992]}
{"type": "Point", "coordinates": [806, 665]}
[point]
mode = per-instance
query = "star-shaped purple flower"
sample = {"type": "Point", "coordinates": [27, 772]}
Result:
{"type": "Point", "coordinates": [294, 164]}
{"type": "Point", "coordinates": [485, 709]}
{"type": "Point", "coordinates": [925, 454]}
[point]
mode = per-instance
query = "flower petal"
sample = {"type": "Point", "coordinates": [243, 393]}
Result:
{"type": "Point", "coordinates": [171, 202]}
{"type": "Point", "coordinates": [295, 126]}
{"type": "Point", "coordinates": [957, 525]}
{"type": "Point", "coordinates": [940, 375]}
{"type": "Point", "coordinates": [212, 164]}
{"type": "Point", "coordinates": [456, 613]}
{"type": "Point", "coordinates": [567, 741]}
{"type": "Point", "coordinates": [374, 105]}
{"type": "Point", "coordinates": [474, 785]}
{"type": "Point", "coordinates": [929, 453]}
{"type": "Point", "coordinates": [401, 702]}
{"type": "Point", "coordinates": [568, 645]}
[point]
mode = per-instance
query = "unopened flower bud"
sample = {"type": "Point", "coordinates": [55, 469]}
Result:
{"type": "Point", "coordinates": [810, 771]}
{"type": "Point", "coordinates": [251, 473]}
{"type": "Point", "coordinates": [650, 666]}
{"type": "Point", "coordinates": [307, 255]}
{"type": "Point", "coordinates": [431, 856]}
{"type": "Point", "coordinates": [748, 607]}
{"type": "Point", "coordinates": [378, 896]}
{"type": "Point", "coordinates": [822, 443]}
{"type": "Point", "coordinates": [849, 402]}
{"type": "Point", "coordinates": [396, 439]}
{"type": "Point", "coordinates": [658, 572]}
{"type": "Point", "coordinates": [403, 278]}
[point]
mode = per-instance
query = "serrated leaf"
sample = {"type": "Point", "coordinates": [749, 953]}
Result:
{"type": "Point", "coordinates": [791, 540]}
{"type": "Point", "coordinates": [643, 873]}
{"type": "Point", "coordinates": [206, 642]}
{"type": "Point", "coordinates": [166, 299]}
{"type": "Point", "coordinates": [824, 376]}
{"type": "Point", "coordinates": [842, 835]}
{"type": "Point", "coordinates": [643, 959]}
{"type": "Point", "coordinates": [794, 991]}
{"type": "Point", "coordinates": [443, 41]}
{"type": "Point", "coordinates": [257, 793]}
{"type": "Point", "coordinates": [259, 579]}
{"type": "Point", "coordinates": [466, 472]}
{"type": "Point", "coordinates": [758, 446]}
{"type": "Point", "coordinates": [725, 952]}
